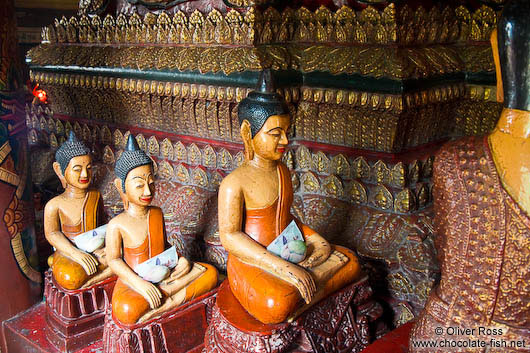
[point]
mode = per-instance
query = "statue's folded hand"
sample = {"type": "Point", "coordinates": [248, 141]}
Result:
{"type": "Point", "coordinates": [182, 268]}
{"type": "Point", "coordinates": [150, 292]}
{"type": "Point", "coordinates": [318, 251]}
{"type": "Point", "coordinates": [99, 253]}
{"type": "Point", "coordinates": [301, 279]}
{"type": "Point", "coordinates": [87, 261]}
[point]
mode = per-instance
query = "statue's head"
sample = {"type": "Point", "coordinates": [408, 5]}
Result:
{"type": "Point", "coordinates": [135, 176]}
{"type": "Point", "coordinates": [264, 119]}
{"type": "Point", "coordinates": [511, 51]}
{"type": "Point", "coordinates": [73, 163]}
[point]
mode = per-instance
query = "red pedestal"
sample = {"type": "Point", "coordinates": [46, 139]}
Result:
{"type": "Point", "coordinates": [26, 333]}
{"type": "Point", "coordinates": [75, 317]}
{"type": "Point", "coordinates": [346, 321]}
{"type": "Point", "coordinates": [396, 341]}
{"type": "Point", "coordinates": [178, 331]}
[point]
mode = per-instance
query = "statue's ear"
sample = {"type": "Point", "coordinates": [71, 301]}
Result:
{"type": "Point", "coordinates": [246, 135]}
{"type": "Point", "coordinates": [117, 184]}
{"type": "Point", "coordinates": [496, 58]}
{"type": "Point", "coordinates": [59, 172]}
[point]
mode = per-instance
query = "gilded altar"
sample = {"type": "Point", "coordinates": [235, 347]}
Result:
{"type": "Point", "coordinates": [374, 90]}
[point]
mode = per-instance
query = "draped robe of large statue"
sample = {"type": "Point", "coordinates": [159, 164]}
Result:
{"type": "Point", "coordinates": [482, 203]}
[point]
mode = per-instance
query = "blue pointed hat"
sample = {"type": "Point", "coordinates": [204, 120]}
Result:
{"type": "Point", "coordinates": [261, 103]}
{"type": "Point", "coordinates": [131, 158]}
{"type": "Point", "coordinates": [69, 149]}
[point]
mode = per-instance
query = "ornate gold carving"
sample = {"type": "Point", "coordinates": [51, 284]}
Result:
{"type": "Point", "coordinates": [341, 166]}
{"type": "Point", "coordinates": [303, 158]}
{"type": "Point", "coordinates": [239, 158]}
{"type": "Point", "coordinates": [481, 93]}
{"type": "Point", "coordinates": [424, 52]}
{"type": "Point", "coordinates": [358, 193]}
{"type": "Point", "coordinates": [106, 135]}
{"type": "Point", "coordinates": [194, 154]}
{"type": "Point", "coordinates": [96, 133]}
{"type": "Point", "coordinates": [35, 124]}
{"type": "Point", "coordinates": [333, 186]}
{"type": "Point", "coordinates": [51, 125]}
{"type": "Point", "coordinates": [53, 141]}
{"type": "Point", "coordinates": [43, 124]}
{"type": "Point", "coordinates": [182, 174]}
{"type": "Point", "coordinates": [423, 195]}
{"type": "Point", "coordinates": [209, 157]}
{"type": "Point", "coordinates": [295, 181]}
{"type": "Point", "coordinates": [381, 198]}
{"type": "Point", "coordinates": [166, 170]}
{"type": "Point", "coordinates": [428, 167]}
{"type": "Point", "coordinates": [108, 155]}
{"type": "Point", "coordinates": [33, 137]}
{"type": "Point", "coordinates": [67, 128]}
{"type": "Point", "coordinates": [216, 179]}
{"type": "Point", "coordinates": [181, 154]}
{"type": "Point", "coordinates": [399, 175]}
{"type": "Point", "coordinates": [224, 159]}
{"type": "Point", "coordinates": [321, 163]}
{"type": "Point", "coordinates": [199, 177]}
{"type": "Point", "coordinates": [167, 148]}
{"type": "Point", "coordinates": [361, 168]}
{"type": "Point", "coordinates": [310, 183]}
{"type": "Point", "coordinates": [414, 172]}
{"type": "Point", "coordinates": [153, 147]}
{"type": "Point", "coordinates": [288, 159]}
{"type": "Point", "coordinates": [381, 173]}
{"type": "Point", "coordinates": [405, 201]}
{"type": "Point", "coordinates": [141, 142]}
{"type": "Point", "coordinates": [87, 134]}
{"type": "Point", "coordinates": [118, 139]}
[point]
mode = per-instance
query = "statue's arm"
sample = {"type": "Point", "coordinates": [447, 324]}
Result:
{"type": "Point", "coordinates": [318, 248]}
{"type": "Point", "coordinates": [53, 234]}
{"type": "Point", "coordinates": [243, 247]}
{"type": "Point", "coordinates": [115, 261]}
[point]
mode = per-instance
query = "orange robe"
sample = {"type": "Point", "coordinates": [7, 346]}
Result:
{"type": "Point", "coordinates": [127, 304]}
{"type": "Point", "coordinates": [66, 272]}
{"type": "Point", "coordinates": [263, 295]}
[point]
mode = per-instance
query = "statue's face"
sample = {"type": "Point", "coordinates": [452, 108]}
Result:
{"type": "Point", "coordinates": [78, 173]}
{"type": "Point", "coordinates": [140, 185]}
{"type": "Point", "coordinates": [270, 142]}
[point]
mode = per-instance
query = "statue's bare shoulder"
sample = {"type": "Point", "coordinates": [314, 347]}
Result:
{"type": "Point", "coordinates": [52, 206]}
{"type": "Point", "coordinates": [233, 182]}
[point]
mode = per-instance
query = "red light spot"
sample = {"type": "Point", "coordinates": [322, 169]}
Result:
{"type": "Point", "coordinates": [40, 94]}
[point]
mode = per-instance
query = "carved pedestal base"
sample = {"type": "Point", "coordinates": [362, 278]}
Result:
{"type": "Point", "coordinates": [178, 331]}
{"type": "Point", "coordinates": [346, 321]}
{"type": "Point", "coordinates": [74, 318]}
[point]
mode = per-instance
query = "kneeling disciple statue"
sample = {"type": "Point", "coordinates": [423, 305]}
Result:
{"type": "Point", "coordinates": [482, 203]}
{"type": "Point", "coordinates": [77, 210]}
{"type": "Point", "coordinates": [255, 209]}
{"type": "Point", "coordinates": [137, 235]}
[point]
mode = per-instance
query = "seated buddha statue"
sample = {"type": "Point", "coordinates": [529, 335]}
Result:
{"type": "Point", "coordinates": [482, 204]}
{"type": "Point", "coordinates": [254, 208]}
{"type": "Point", "coordinates": [138, 234]}
{"type": "Point", "coordinates": [77, 210]}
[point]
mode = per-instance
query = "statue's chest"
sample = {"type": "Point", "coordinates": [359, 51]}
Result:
{"type": "Point", "coordinates": [135, 232]}
{"type": "Point", "coordinates": [71, 211]}
{"type": "Point", "coordinates": [261, 190]}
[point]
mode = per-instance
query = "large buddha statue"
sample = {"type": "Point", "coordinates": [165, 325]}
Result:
{"type": "Point", "coordinates": [138, 234]}
{"type": "Point", "coordinates": [254, 208]}
{"type": "Point", "coordinates": [482, 204]}
{"type": "Point", "coordinates": [77, 210]}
